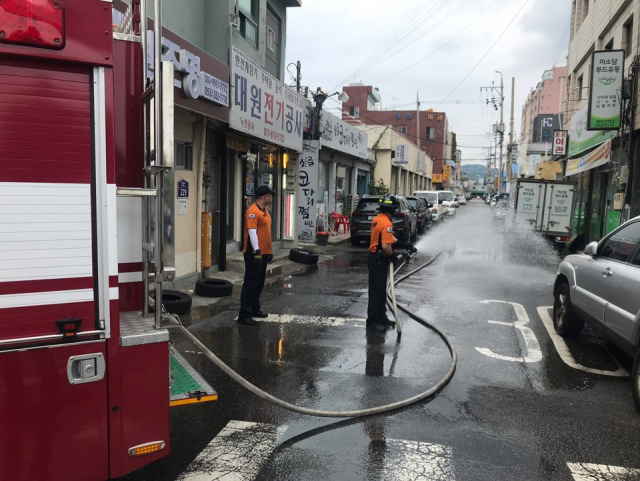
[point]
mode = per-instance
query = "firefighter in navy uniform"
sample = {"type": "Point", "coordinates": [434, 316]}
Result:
{"type": "Point", "coordinates": [380, 253]}
{"type": "Point", "coordinates": [257, 254]}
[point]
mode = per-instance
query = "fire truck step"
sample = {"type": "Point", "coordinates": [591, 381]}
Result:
{"type": "Point", "coordinates": [187, 386]}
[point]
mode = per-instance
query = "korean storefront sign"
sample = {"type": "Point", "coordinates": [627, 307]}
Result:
{"type": "Point", "coordinates": [402, 155]}
{"type": "Point", "coordinates": [446, 173]}
{"type": "Point", "coordinates": [236, 142]}
{"type": "Point", "coordinates": [607, 75]}
{"type": "Point", "coordinates": [195, 83]}
{"type": "Point", "coordinates": [263, 106]}
{"type": "Point", "coordinates": [341, 136]}
{"type": "Point", "coordinates": [437, 179]}
{"type": "Point", "coordinates": [596, 158]}
{"type": "Point", "coordinates": [560, 142]}
{"type": "Point", "coordinates": [581, 139]}
{"type": "Point", "coordinates": [307, 187]}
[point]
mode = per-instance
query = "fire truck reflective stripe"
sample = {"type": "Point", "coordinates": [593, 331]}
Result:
{"type": "Point", "coordinates": [46, 285]}
{"type": "Point", "coordinates": [129, 267]}
{"type": "Point", "coordinates": [125, 277]}
{"type": "Point", "coordinates": [113, 293]}
{"type": "Point", "coordinates": [112, 235]}
{"type": "Point", "coordinates": [46, 231]}
{"type": "Point", "coordinates": [46, 298]}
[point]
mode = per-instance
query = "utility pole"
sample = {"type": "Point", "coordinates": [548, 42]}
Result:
{"type": "Point", "coordinates": [510, 149]}
{"type": "Point", "coordinates": [418, 115]}
{"type": "Point", "coordinates": [501, 129]}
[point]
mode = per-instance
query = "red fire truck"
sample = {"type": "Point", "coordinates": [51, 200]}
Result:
{"type": "Point", "coordinates": [85, 230]}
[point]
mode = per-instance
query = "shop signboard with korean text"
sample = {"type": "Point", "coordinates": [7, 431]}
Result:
{"type": "Point", "coordinates": [446, 173]}
{"type": "Point", "coordinates": [339, 135]}
{"type": "Point", "coordinates": [437, 179]}
{"type": "Point", "coordinates": [607, 75]}
{"type": "Point", "coordinates": [200, 79]}
{"type": "Point", "coordinates": [307, 187]}
{"type": "Point", "coordinates": [264, 107]}
{"type": "Point", "coordinates": [402, 155]}
{"type": "Point", "coordinates": [581, 139]}
{"type": "Point", "coordinates": [560, 142]}
{"type": "Point", "coordinates": [595, 158]}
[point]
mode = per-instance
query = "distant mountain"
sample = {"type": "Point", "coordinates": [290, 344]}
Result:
{"type": "Point", "coordinates": [474, 170]}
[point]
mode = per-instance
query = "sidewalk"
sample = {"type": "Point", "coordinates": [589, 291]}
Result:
{"type": "Point", "coordinates": [280, 266]}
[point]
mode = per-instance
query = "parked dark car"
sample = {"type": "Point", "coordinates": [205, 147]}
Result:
{"type": "Point", "coordinates": [419, 204]}
{"type": "Point", "coordinates": [405, 221]}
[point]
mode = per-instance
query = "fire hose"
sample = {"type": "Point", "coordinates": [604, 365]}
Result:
{"type": "Point", "coordinates": [177, 324]}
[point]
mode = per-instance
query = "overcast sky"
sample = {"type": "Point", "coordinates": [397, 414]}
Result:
{"type": "Point", "coordinates": [372, 41]}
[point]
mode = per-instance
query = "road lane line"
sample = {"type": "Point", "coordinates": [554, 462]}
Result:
{"type": "Point", "coordinates": [565, 353]}
{"type": "Point", "coordinates": [601, 472]}
{"type": "Point", "coordinates": [534, 354]}
{"type": "Point", "coordinates": [417, 461]}
{"type": "Point", "coordinates": [237, 453]}
{"type": "Point", "coordinates": [316, 320]}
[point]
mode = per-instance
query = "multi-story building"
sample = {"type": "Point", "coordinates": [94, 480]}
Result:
{"type": "Point", "coordinates": [597, 26]}
{"type": "Point", "coordinates": [427, 129]}
{"type": "Point", "coordinates": [542, 113]}
{"type": "Point", "coordinates": [238, 135]}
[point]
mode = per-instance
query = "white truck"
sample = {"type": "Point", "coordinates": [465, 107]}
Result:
{"type": "Point", "coordinates": [547, 207]}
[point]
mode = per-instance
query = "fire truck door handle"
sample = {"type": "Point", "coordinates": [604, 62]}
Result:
{"type": "Point", "coordinates": [86, 368]}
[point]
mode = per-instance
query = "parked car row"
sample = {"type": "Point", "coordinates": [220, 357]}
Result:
{"type": "Point", "coordinates": [415, 215]}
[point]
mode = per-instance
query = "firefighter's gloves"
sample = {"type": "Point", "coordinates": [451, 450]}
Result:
{"type": "Point", "coordinates": [412, 250]}
{"type": "Point", "coordinates": [398, 258]}
{"type": "Point", "coordinates": [257, 259]}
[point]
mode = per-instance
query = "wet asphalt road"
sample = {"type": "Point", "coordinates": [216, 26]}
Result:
{"type": "Point", "coordinates": [513, 411]}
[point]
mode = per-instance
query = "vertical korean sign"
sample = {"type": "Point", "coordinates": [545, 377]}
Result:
{"type": "Point", "coordinates": [607, 74]}
{"type": "Point", "coordinates": [307, 187]}
{"type": "Point", "coordinates": [264, 107]}
{"type": "Point", "coordinates": [560, 142]}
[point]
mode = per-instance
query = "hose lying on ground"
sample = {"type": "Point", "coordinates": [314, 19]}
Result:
{"type": "Point", "coordinates": [176, 324]}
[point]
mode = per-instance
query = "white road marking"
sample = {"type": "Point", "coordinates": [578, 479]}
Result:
{"type": "Point", "coordinates": [565, 353]}
{"type": "Point", "coordinates": [417, 461]}
{"type": "Point", "coordinates": [534, 354]}
{"type": "Point", "coordinates": [316, 320]}
{"type": "Point", "coordinates": [601, 472]}
{"type": "Point", "coordinates": [237, 453]}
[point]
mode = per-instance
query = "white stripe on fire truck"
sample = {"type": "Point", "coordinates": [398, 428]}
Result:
{"type": "Point", "coordinates": [46, 298]}
{"type": "Point", "coordinates": [125, 277]}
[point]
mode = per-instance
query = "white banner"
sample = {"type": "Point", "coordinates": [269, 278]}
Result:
{"type": "Point", "coordinates": [402, 155]}
{"type": "Point", "coordinates": [263, 106]}
{"type": "Point", "coordinates": [607, 74]}
{"type": "Point", "coordinates": [339, 135]}
{"type": "Point", "coordinates": [307, 187]}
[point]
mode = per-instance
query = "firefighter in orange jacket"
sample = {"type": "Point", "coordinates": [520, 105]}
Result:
{"type": "Point", "coordinates": [380, 253]}
{"type": "Point", "coordinates": [258, 252]}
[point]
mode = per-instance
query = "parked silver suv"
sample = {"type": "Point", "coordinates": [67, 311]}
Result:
{"type": "Point", "coordinates": [602, 288]}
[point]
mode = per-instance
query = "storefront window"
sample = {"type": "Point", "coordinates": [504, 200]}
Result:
{"type": "Point", "coordinates": [268, 174]}
{"type": "Point", "coordinates": [323, 180]}
{"type": "Point", "coordinates": [342, 189]}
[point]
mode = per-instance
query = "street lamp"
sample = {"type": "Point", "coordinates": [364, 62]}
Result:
{"type": "Point", "coordinates": [320, 98]}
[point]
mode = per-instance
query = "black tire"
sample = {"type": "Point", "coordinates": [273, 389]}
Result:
{"type": "Point", "coordinates": [355, 242]}
{"type": "Point", "coordinates": [175, 302]}
{"type": "Point", "coordinates": [565, 320]}
{"type": "Point", "coordinates": [635, 380]}
{"type": "Point", "coordinates": [303, 256]}
{"type": "Point", "coordinates": [214, 287]}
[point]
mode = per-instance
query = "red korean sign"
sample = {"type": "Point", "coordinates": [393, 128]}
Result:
{"type": "Point", "coordinates": [560, 142]}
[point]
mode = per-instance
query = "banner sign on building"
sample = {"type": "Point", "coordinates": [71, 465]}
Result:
{"type": "Point", "coordinates": [263, 106]}
{"type": "Point", "coordinates": [402, 155]}
{"type": "Point", "coordinates": [581, 139]}
{"type": "Point", "coordinates": [421, 163]}
{"type": "Point", "coordinates": [446, 173]}
{"type": "Point", "coordinates": [596, 158]}
{"type": "Point", "coordinates": [437, 179]}
{"type": "Point", "coordinates": [560, 142]}
{"type": "Point", "coordinates": [607, 75]}
{"type": "Point", "coordinates": [307, 187]}
{"type": "Point", "coordinates": [339, 135]}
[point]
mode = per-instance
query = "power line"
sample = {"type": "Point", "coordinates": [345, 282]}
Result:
{"type": "Point", "coordinates": [441, 46]}
{"type": "Point", "coordinates": [487, 52]}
